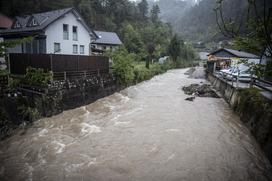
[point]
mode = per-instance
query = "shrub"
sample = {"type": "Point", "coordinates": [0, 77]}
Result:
{"type": "Point", "coordinates": [141, 73]}
{"type": "Point", "coordinates": [37, 77]}
{"type": "Point", "coordinates": [123, 66]}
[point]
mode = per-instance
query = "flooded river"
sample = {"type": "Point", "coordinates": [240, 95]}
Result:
{"type": "Point", "coordinates": [147, 132]}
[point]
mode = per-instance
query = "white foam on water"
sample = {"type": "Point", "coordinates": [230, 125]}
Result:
{"type": "Point", "coordinates": [59, 146]}
{"type": "Point", "coordinates": [29, 171]}
{"type": "Point", "coordinates": [41, 158]}
{"type": "Point", "coordinates": [43, 132]}
{"type": "Point", "coordinates": [171, 157]}
{"type": "Point", "coordinates": [124, 99]}
{"type": "Point", "coordinates": [87, 128]}
{"type": "Point", "coordinates": [92, 162]}
{"type": "Point", "coordinates": [116, 117]}
{"type": "Point", "coordinates": [74, 167]}
{"type": "Point", "coordinates": [172, 130]}
{"type": "Point", "coordinates": [119, 123]}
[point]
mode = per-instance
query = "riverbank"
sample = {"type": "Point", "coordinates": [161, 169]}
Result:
{"type": "Point", "coordinates": [254, 109]}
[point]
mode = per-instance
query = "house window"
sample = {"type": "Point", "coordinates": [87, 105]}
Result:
{"type": "Point", "coordinates": [75, 49]}
{"type": "Point", "coordinates": [75, 33]}
{"type": "Point", "coordinates": [33, 22]}
{"type": "Point", "coordinates": [81, 49]}
{"type": "Point", "coordinates": [104, 47]}
{"type": "Point", "coordinates": [65, 32]}
{"type": "Point", "coordinates": [56, 47]}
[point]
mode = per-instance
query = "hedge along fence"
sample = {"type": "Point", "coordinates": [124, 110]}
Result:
{"type": "Point", "coordinates": [56, 63]}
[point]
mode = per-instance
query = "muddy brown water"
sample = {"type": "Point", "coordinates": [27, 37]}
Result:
{"type": "Point", "coordinates": [146, 132]}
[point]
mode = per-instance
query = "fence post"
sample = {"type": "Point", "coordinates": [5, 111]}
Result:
{"type": "Point", "coordinates": [51, 62]}
{"type": "Point", "coordinates": [8, 63]}
{"type": "Point", "coordinates": [64, 75]}
{"type": "Point", "coordinates": [85, 74]}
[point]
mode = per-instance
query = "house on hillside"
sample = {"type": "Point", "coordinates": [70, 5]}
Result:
{"type": "Point", "coordinates": [105, 41]}
{"type": "Point", "coordinates": [224, 57]}
{"type": "Point", "coordinates": [60, 31]}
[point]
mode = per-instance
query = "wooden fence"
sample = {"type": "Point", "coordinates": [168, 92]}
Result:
{"type": "Point", "coordinates": [57, 63]}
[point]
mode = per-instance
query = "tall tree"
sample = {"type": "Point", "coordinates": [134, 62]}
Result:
{"type": "Point", "coordinates": [132, 39]}
{"type": "Point", "coordinates": [253, 30]}
{"type": "Point", "coordinates": [174, 48]}
{"type": "Point", "coordinates": [154, 13]}
{"type": "Point", "coordinates": [143, 9]}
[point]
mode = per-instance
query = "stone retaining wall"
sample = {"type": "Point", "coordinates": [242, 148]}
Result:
{"type": "Point", "coordinates": [255, 112]}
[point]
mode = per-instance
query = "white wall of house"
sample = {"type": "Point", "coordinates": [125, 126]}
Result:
{"type": "Point", "coordinates": [54, 34]}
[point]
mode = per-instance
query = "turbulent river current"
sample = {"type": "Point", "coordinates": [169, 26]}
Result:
{"type": "Point", "coordinates": [147, 132]}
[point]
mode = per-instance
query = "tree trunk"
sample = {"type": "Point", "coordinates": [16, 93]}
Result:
{"type": "Point", "coordinates": [147, 62]}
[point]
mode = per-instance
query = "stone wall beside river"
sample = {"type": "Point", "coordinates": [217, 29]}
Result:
{"type": "Point", "coordinates": [254, 110]}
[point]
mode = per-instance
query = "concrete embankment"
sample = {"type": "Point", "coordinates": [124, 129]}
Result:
{"type": "Point", "coordinates": [255, 110]}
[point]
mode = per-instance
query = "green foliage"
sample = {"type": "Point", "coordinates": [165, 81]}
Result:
{"type": "Point", "coordinates": [37, 77]}
{"type": "Point", "coordinates": [10, 44]}
{"type": "Point", "coordinates": [4, 72]}
{"type": "Point", "coordinates": [255, 69]}
{"type": "Point", "coordinates": [123, 66]}
{"type": "Point", "coordinates": [141, 73]}
{"type": "Point", "coordinates": [127, 71]}
{"type": "Point", "coordinates": [143, 9]}
{"type": "Point", "coordinates": [174, 49]}
{"type": "Point", "coordinates": [29, 113]}
{"type": "Point", "coordinates": [14, 83]}
{"type": "Point", "coordinates": [132, 39]}
{"type": "Point", "coordinates": [181, 54]}
{"type": "Point", "coordinates": [154, 13]}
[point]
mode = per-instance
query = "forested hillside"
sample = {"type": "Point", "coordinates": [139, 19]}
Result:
{"type": "Point", "coordinates": [197, 22]}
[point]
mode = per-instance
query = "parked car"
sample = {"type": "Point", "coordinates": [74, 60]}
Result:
{"type": "Point", "coordinates": [235, 71]}
{"type": "Point", "coordinates": [224, 72]}
{"type": "Point", "coordinates": [244, 76]}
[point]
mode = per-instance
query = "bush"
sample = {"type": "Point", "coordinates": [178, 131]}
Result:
{"type": "Point", "coordinates": [4, 72]}
{"type": "Point", "coordinates": [123, 66]}
{"type": "Point", "coordinates": [37, 77]}
{"type": "Point", "coordinates": [141, 73]}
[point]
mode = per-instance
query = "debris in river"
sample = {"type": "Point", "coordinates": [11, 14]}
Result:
{"type": "Point", "coordinates": [190, 99]}
{"type": "Point", "coordinates": [204, 90]}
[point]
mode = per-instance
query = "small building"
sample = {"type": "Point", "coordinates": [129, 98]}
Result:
{"type": "Point", "coordinates": [106, 41]}
{"type": "Point", "coordinates": [60, 31]}
{"type": "Point", "coordinates": [224, 57]}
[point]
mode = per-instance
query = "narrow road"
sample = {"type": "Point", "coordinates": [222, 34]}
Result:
{"type": "Point", "coordinates": [147, 132]}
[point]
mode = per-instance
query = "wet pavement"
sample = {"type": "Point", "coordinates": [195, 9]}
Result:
{"type": "Point", "coordinates": [146, 132]}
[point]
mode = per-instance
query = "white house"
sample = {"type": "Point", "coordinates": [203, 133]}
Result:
{"type": "Point", "coordinates": [55, 32]}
